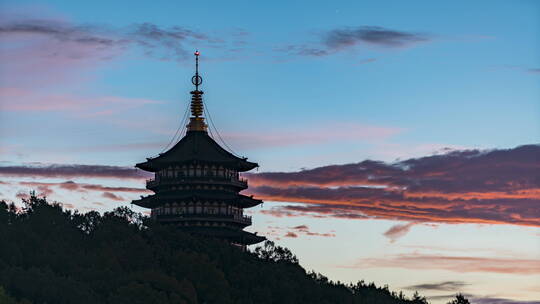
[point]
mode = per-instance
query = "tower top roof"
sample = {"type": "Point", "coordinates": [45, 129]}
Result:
{"type": "Point", "coordinates": [199, 147]}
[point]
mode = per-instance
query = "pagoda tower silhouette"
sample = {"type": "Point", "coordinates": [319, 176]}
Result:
{"type": "Point", "coordinates": [197, 182]}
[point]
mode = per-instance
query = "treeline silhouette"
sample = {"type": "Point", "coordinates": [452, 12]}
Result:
{"type": "Point", "coordinates": [51, 255]}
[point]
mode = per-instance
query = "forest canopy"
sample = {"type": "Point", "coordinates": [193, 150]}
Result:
{"type": "Point", "coordinates": [52, 255]}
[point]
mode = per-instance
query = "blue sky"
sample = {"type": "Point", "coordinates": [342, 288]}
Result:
{"type": "Point", "coordinates": [291, 85]}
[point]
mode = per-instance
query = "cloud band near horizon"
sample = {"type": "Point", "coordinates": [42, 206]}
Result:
{"type": "Point", "coordinates": [471, 186]}
{"type": "Point", "coordinates": [485, 187]}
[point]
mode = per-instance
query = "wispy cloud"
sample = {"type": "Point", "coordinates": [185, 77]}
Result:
{"type": "Point", "coordinates": [166, 43]}
{"type": "Point", "coordinates": [460, 264]}
{"type": "Point", "coordinates": [496, 300]}
{"type": "Point", "coordinates": [73, 171]}
{"type": "Point", "coordinates": [43, 47]}
{"type": "Point", "coordinates": [24, 100]}
{"type": "Point", "coordinates": [82, 187]}
{"type": "Point", "coordinates": [50, 188]}
{"type": "Point", "coordinates": [336, 40]}
{"type": "Point", "coordinates": [304, 230]}
{"type": "Point", "coordinates": [491, 187]}
{"type": "Point", "coordinates": [397, 231]}
{"type": "Point", "coordinates": [441, 286]}
{"type": "Point", "coordinates": [313, 135]}
{"type": "Point", "coordinates": [351, 36]}
{"type": "Point", "coordinates": [298, 231]}
{"type": "Point", "coordinates": [112, 196]}
{"type": "Point", "coordinates": [291, 234]}
{"type": "Point", "coordinates": [478, 299]}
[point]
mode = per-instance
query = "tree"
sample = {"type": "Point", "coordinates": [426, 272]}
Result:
{"type": "Point", "coordinates": [418, 299]}
{"type": "Point", "coordinates": [51, 255]}
{"type": "Point", "coordinates": [460, 299]}
{"type": "Point", "coordinates": [270, 252]}
{"type": "Point", "coordinates": [6, 299]}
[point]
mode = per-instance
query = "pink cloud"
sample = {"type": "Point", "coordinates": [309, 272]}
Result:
{"type": "Point", "coordinates": [311, 136]}
{"type": "Point", "coordinates": [81, 187]}
{"type": "Point", "coordinates": [304, 230]}
{"type": "Point", "coordinates": [23, 100]}
{"type": "Point", "coordinates": [112, 196]}
{"type": "Point", "coordinates": [74, 171]}
{"type": "Point", "coordinates": [35, 54]}
{"type": "Point", "coordinates": [397, 231]}
{"type": "Point", "coordinates": [22, 195]}
{"type": "Point", "coordinates": [460, 264]}
{"type": "Point", "coordinates": [291, 235]}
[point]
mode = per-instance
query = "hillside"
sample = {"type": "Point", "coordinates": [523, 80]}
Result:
{"type": "Point", "coordinates": [51, 255]}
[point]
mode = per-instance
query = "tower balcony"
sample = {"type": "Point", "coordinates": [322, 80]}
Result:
{"type": "Point", "coordinates": [239, 182]}
{"type": "Point", "coordinates": [244, 220]}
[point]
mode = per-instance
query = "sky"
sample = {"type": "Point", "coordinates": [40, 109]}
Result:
{"type": "Point", "coordinates": [398, 141]}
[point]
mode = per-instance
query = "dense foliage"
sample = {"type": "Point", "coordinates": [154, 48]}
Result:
{"type": "Point", "coordinates": [50, 255]}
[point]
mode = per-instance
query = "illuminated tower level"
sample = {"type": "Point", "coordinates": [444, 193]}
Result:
{"type": "Point", "coordinates": [197, 182]}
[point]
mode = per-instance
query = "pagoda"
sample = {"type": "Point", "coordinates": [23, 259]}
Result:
{"type": "Point", "coordinates": [197, 183]}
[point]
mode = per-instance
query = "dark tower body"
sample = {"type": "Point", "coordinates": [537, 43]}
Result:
{"type": "Point", "coordinates": [197, 183]}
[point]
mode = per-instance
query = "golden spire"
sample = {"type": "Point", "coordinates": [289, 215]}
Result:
{"type": "Point", "coordinates": [196, 121]}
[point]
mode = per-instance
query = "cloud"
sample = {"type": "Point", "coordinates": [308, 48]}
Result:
{"type": "Point", "coordinates": [418, 261]}
{"type": "Point", "coordinates": [441, 286]}
{"type": "Point", "coordinates": [166, 43]}
{"type": "Point", "coordinates": [291, 235]}
{"type": "Point", "coordinates": [312, 135]}
{"type": "Point", "coordinates": [304, 230]}
{"type": "Point", "coordinates": [73, 186]}
{"type": "Point", "coordinates": [368, 60]}
{"type": "Point", "coordinates": [67, 205]}
{"type": "Point", "coordinates": [48, 188]}
{"type": "Point", "coordinates": [112, 196]}
{"type": "Point", "coordinates": [493, 300]}
{"type": "Point", "coordinates": [336, 40]}
{"type": "Point", "coordinates": [533, 70]}
{"type": "Point", "coordinates": [39, 48]}
{"type": "Point", "coordinates": [294, 232]}
{"type": "Point", "coordinates": [31, 101]}
{"type": "Point", "coordinates": [471, 186]}
{"type": "Point", "coordinates": [22, 195]}
{"type": "Point", "coordinates": [476, 299]}
{"type": "Point", "coordinates": [351, 36]}
{"type": "Point", "coordinates": [397, 231]}
{"type": "Point", "coordinates": [90, 40]}
{"type": "Point", "coordinates": [73, 171]}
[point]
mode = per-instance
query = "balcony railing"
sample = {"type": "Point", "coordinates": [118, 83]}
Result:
{"type": "Point", "coordinates": [242, 182]}
{"type": "Point", "coordinates": [243, 219]}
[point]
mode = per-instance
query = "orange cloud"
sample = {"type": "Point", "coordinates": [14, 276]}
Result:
{"type": "Point", "coordinates": [487, 187]}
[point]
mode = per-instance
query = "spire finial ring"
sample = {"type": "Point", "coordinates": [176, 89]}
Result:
{"type": "Point", "coordinates": [196, 80]}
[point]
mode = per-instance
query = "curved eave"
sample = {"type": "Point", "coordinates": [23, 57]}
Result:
{"type": "Point", "coordinates": [248, 202]}
{"type": "Point", "coordinates": [154, 164]}
{"type": "Point", "coordinates": [156, 200]}
{"type": "Point", "coordinates": [146, 166]}
{"type": "Point", "coordinates": [145, 202]}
